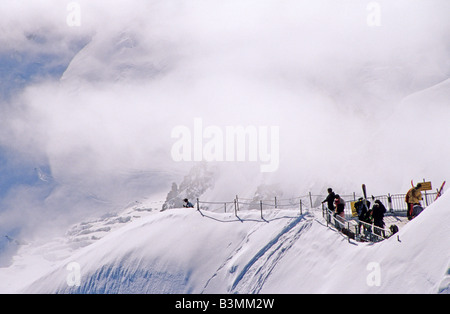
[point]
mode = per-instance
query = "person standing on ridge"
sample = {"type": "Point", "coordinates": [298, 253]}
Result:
{"type": "Point", "coordinates": [340, 206]}
{"type": "Point", "coordinates": [378, 211]}
{"type": "Point", "coordinates": [187, 204]}
{"type": "Point", "coordinates": [363, 210]}
{"type": "Point", "coordinates": [413, 197]}
{"type": "Point", "coordinates": [330, 199]}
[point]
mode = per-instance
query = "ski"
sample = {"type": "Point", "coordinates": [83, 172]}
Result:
{"type": "Point", "coordinates": [365, 196]}
{"type": "Point", "coordinates": [439, 193]}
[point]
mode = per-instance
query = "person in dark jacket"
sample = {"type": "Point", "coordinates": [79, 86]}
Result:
{"type": "Point", "coordinates": [340, 205]}
{"type": "Point", "coordinates": [330, 199]}
{"type": "Point", "coordinates": [362, 209]}
{"type": "Point", "coordinates": [187, 204]}
{"type": "Point", "coordinates": [378, 211]}
{"type": "Point", "coordinates": [364, 214]}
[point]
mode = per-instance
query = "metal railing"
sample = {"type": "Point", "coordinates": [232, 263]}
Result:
{"type": "Point", "coordinates": [394, 203]}
{"type": "Point", "coordinates": [348, 224]}
{"type": "Point", "coordinates": [242, 204]}
{"type": "Point", "coordinates": [356, 229]}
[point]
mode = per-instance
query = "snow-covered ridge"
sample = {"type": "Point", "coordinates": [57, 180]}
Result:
{"type": "Point", "coordinates": [182, 251]}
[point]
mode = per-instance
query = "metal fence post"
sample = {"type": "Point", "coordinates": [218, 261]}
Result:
{"type": "Point", "coordinates": [390, 203]}
{"type": "Point", "coordinates": [426, 198]}
{"type": "Point", "coordinates": [348, 231]}
{"type": "Point", "coordinates": [325, 211]}
{"type": "Point", "coordinates": [198, 207]}
{"type": "Point", "coordinates": [310, 199]}
{"type": "Point", "coordinates": [261, 206]}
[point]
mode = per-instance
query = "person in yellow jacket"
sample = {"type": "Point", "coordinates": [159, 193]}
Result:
{"type": "Point", "coordinates": [413, 197]}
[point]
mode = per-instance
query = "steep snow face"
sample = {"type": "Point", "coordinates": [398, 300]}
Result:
{"type": "Point", "coordinates": [183, 251]}
{"type": "Point", "coordinates": [417, 261]}
{"type": "Point", "coordinates": [176, 251]}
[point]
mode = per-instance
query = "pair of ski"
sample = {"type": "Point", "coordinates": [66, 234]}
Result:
{"type": "Point", "coordinates": [439, 192]}
{"type": "Point", "coordinates": [365, 196]}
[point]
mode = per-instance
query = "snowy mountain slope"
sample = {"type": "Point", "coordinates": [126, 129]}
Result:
{"type": "Point", "coordinates": [181, 251]}
{"type": "Point", "coordinates": [34, 258]}
{"type": "Point", "coordinates": [415, 262]}
{"type": "Point", "coordinates": [176, 251]}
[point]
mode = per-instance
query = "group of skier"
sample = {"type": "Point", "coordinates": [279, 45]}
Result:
{"type": "Point", "coordinates": [373, 215]}
{"type": "Point", "coordinates": [336, 204]}
{"type": "Point", "coordinates": [369, 215]}
{"type": "Point", "coordinates": [366, 214]}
